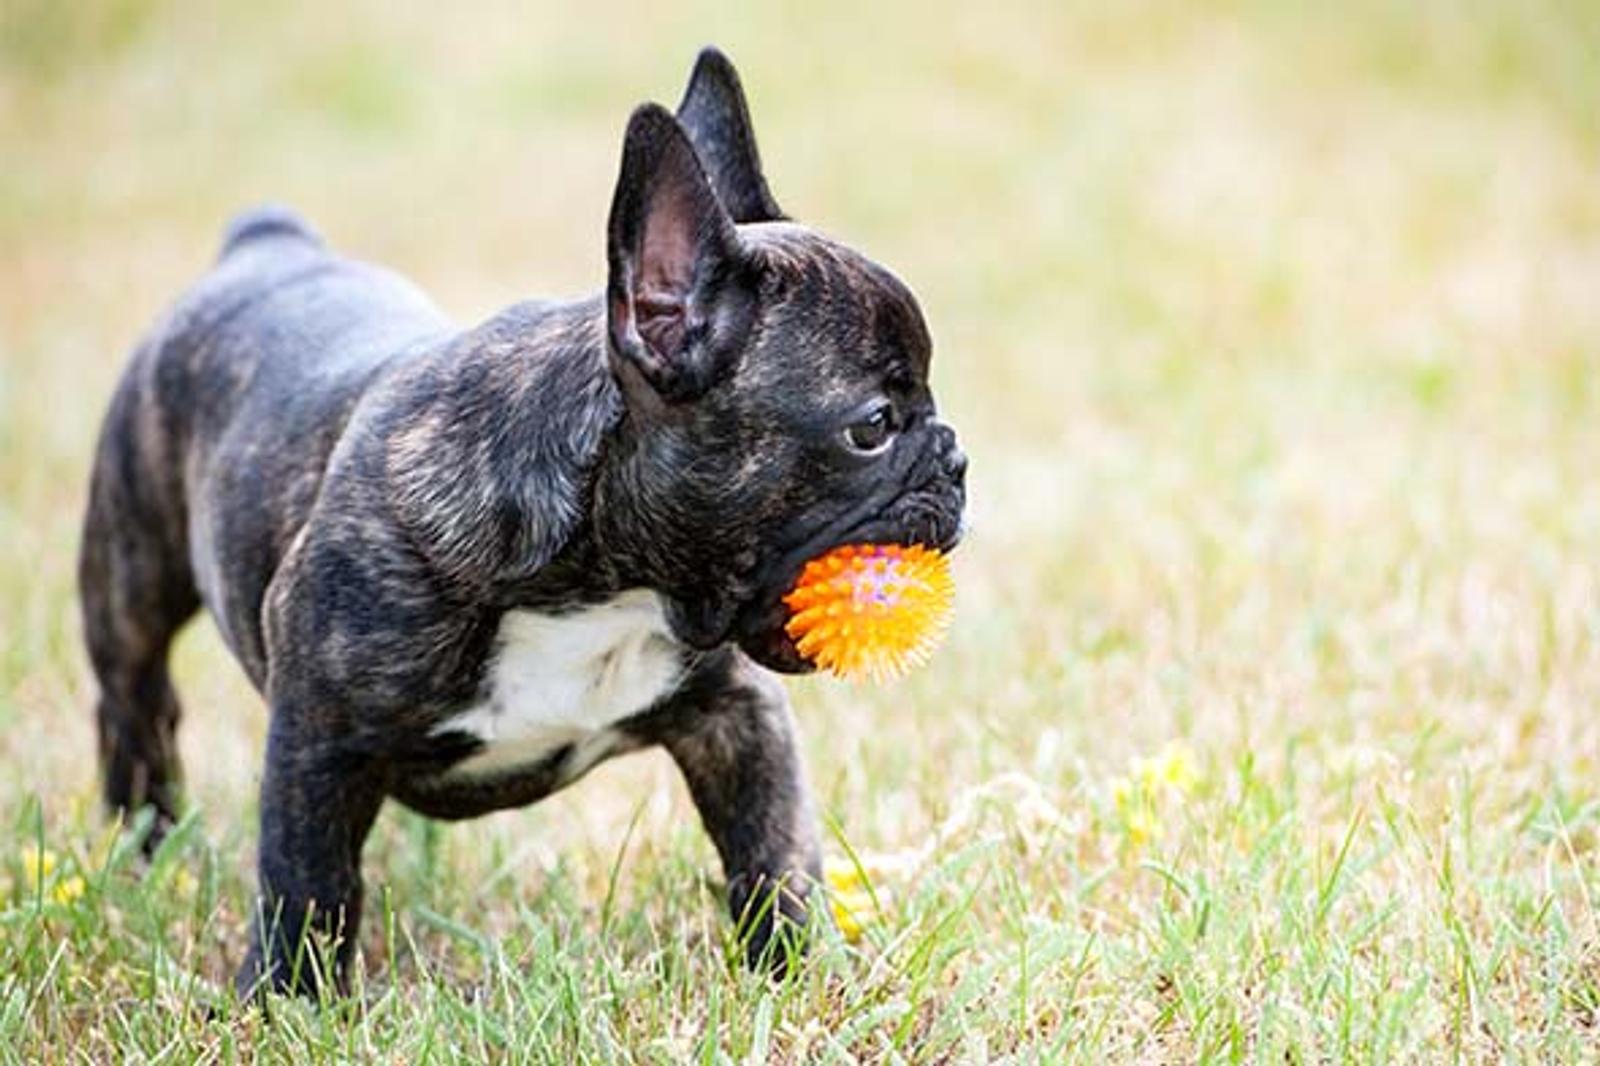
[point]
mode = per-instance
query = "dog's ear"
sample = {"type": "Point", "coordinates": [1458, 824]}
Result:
{"type": "Point", "coordinates": [713, 112]}
{"type": "Point", "coordinates": [677, 293]}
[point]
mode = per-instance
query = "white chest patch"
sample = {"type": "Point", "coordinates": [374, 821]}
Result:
{"type": "Point", "coordinates": [566, 679]}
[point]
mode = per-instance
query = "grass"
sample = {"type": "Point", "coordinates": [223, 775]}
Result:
{"type": "Point", "coordinates": [1267, 727]}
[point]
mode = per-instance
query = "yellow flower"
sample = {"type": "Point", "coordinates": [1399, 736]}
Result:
{"type": "Point", "coordinates": [1142, 825]}
{"type": "Point", "coordinates": [1170, 770]}
{"type": "Point", "coordinates": [1148, 773]}
{"type": "Point", "coordinates": [1135, 804]}
{"type": "Point", "coordinates": [1137, 797]}
{"type": "Point", "coordinates": [842, 874]}
{"type": "Point", "coordinates": [849, 898]}
{"type": "Point", "coordinates": [852, 913]}
{"type": "Point", "coordinates": [1175, 768]}
{"type": "Point", "coordinates": [1123, 795]}
{"type": "Point", "coordinates": [37, 865]}
{"type": "Point", "coordinates": [68, 889]}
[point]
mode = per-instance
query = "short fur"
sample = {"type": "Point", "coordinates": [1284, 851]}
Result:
{"type": "Point", "coordinates": [358, 492]}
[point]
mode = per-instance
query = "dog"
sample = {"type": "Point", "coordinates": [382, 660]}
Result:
{"type": "Point", "coordinates": [466, 566]}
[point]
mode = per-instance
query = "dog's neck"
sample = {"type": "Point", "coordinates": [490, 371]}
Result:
{"type": "Point", "coordinates": [551, 374]}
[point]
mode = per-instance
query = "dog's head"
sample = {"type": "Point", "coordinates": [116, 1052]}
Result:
{"type": "Point", "coordinates": [775, 382]}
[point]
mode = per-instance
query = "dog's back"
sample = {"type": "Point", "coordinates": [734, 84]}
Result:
{"type": "Point", "coordinates": [272, 340]}
{"type": "Point", "coordinates": [210, 456]}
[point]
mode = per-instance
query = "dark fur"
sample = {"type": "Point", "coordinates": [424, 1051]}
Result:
{"type": "Point", "coordinates": [357, 490]}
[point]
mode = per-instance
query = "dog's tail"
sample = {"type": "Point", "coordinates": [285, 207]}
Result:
{"type": "Point", "coordinates": [267, 220]}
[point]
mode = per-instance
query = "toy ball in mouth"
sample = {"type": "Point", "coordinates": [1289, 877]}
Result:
{"type": "Point", "coordinates": [871, 610]}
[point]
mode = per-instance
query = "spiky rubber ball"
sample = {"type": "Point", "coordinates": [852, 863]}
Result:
{"type": "Point", "coordinates": [871, 610]}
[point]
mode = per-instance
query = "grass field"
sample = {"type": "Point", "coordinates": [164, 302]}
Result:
{"type": "Point", "coordinates": [1268, 727]}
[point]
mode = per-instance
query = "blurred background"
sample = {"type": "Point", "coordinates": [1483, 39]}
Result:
{"type": "Point", "coordinates": [1272, 329]}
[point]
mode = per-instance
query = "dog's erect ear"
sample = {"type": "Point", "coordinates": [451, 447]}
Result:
{"type": "Point", "coordinates": [713, 112]}
{"type": "Point", "coordinates": [677, 298]}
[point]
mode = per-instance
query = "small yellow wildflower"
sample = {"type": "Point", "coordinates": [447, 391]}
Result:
{"type": "Point", "coordinates": [849, 898]}
{"type": "Point", "coordinates": [1142, 825]}
{"type": "Point", "coordinates": [1170, 770]}
{"type": "Point", "coordinates": [1137, 797]}
{"type": "Point", "coordinates": [1177, 769]}
{"type": "Point", "coordinates": [1135, 806]}
{"type": "Point", "coordinates": [1123, 794]}
{"type": "Point", "coordinates": [68, 889]}
{"type": "Point", "coordinates": [37, 865]}
{"type": "Point", "coordinates": [842, 874]}
{"type": "Point", "coordinates": [852, 913]}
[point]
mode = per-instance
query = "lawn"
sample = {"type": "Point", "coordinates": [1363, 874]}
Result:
{"type": "Point", "coordinates": [1269, 725]}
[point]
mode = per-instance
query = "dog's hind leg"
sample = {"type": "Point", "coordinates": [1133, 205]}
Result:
{"type": "Point", "coordinates": [136, 591]}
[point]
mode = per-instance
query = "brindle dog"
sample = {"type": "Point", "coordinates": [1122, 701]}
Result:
{"type": "Point", "coordinates": [464, 566]}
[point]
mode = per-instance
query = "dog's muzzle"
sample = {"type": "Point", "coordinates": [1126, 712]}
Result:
{"type": "Point", "coordinates": [927, 510]}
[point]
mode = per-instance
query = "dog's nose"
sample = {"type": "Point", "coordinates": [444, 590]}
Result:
{"type": "Point", "coordinates": [955, 462]}
{"type": "Point", "coordinates": [951, 458]}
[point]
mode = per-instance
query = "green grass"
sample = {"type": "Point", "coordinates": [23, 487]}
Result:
{"type": "Point", "coordinates": [1274, 335]}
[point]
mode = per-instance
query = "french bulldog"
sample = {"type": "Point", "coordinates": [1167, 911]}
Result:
{"type": "Point", "coordinates": [466, 566]}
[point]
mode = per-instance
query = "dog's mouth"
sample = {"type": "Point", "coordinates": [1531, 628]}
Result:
{"type": "Point", "coordinates": [921, 505]}
{"type": "Point", "coordinates": [931, 518]}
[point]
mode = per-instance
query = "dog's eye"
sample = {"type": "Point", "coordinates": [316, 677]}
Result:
{"type": "Point", "coordinates": [872, 434]}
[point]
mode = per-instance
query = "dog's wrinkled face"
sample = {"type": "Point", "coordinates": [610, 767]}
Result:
{"type": "Point", "coordinates": [776, 383]}
{"type": "Point", "coordinates": [842, 440]}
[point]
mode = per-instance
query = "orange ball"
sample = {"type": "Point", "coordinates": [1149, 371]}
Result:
{"type": "Point", "coordinates": [872, 610]}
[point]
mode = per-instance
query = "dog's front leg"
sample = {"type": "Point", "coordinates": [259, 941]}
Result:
{"type": "Point", "coordinates": [733, 736]}
{"type": "Point", "coordinates": [317, 806]}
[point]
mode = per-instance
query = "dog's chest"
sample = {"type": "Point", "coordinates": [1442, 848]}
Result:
{"type": "Point", "coordinates": [562, 681]}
